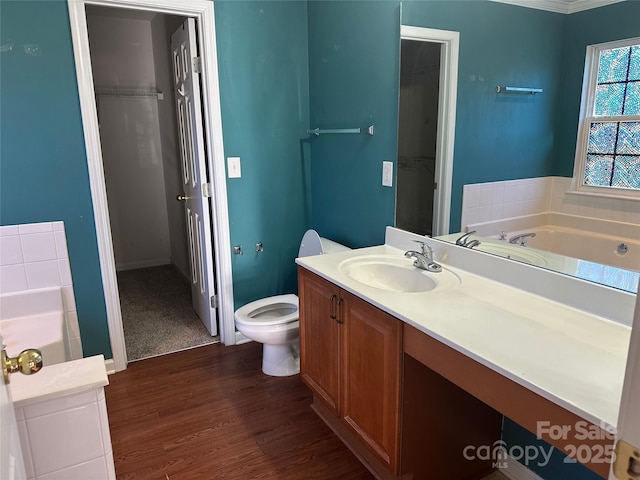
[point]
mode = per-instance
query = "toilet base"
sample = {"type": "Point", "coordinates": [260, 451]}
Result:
{"type": "Point", "coordinates": [281, 360]}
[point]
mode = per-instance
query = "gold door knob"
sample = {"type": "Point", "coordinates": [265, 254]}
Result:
{"type": "Point", "coordinates": [28, 362]}
{"type": "Point", "coordinates": [181, 198]}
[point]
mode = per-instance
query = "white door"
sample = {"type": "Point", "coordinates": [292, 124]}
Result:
{"type": "Point", "coordinates": [11, 460]}
{"type": "Point", "coordinates": [196, 193]}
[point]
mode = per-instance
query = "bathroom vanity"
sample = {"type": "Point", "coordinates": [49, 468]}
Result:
{"type": "Point", "coordinates": [410, 374]}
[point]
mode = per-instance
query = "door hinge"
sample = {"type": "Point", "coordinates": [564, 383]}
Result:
{"type": "Point", "coordinates": [206, 189]}
{"type": "Point", "coordinates": [627, 461]}
{"type": "Point", "coordinates": [196, 65]}
{"type": "Point", "coordinates": [435, 185]}
{"type": "Point", "coordinates": [214, 301]}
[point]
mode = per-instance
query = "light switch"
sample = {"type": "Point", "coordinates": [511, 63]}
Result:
{"type": "Point", "coordinates": [233, 167]}
{"type": "Point", "coordinates": [387, 174]}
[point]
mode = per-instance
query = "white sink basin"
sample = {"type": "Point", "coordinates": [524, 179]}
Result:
{"type": "Point", "coordinates": [396, 274]}
{"type": "Point", "coordinates": [514, 252]}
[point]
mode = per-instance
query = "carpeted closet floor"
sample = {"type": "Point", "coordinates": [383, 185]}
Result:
{"type": "Point", "coordinates": [157, 315]}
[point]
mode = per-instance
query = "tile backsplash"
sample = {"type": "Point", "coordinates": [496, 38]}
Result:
{"type": "Point", "coordinates": [35, 256]}
{"type": "Point", "coordinates": [488, 202]}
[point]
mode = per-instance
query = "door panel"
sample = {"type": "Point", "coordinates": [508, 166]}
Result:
{"type": "Point", "coordinates": [194, 173]}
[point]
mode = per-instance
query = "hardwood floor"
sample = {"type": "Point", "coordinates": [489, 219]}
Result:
{"type": "Point", "coordinates": [210, 413]}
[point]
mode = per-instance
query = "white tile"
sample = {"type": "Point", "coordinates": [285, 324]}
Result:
{"type": "Point", "coordinates": [65, 272]}
{"type": "Point", "coordinates": [486, 196]}
{"type": "Point", "coordinates": [471, 198]}
{"type": "Point", "coordinates": [43, 274]}
{"type": "Point", "coordinates": [38, 247]}
{"type": "Point", "coordinates": [61, 404]}
{"type": "Point", "coordinates": [497, 195]}
{"type": "Point", "coordinates": [9, 230]}
{"type": "Point", "coordinates": [35, 228]}
{"type": "Point", "coordinates": [61, 244]}
{"type": "Point", "coordinates": [104, 420]}
{"type": "Point", "coordinates": [76, 348]}
{"type": "Point", "coordinates": [26, 448]}
{"type": "Point", "coordinates": [510, 193]}
{"type": "Point", "coordinates": [58, 226]}
{"type": "Point", "coordinates": [73, 326]}
{"type": "Point", "coordinates": [111, 467]}
{"type": "Point", "coordinates": [497, 211]}
{"type": "Point", "coordinates": [10, 250]}
{"type": "Point", "coordinates": [483, 214]}
{"type": "Point", "coordinates": [95, 469]}
{"type": "Point", "coordinates": [65, 439]}
{"type": "Point", "coordinates": [69, 298]}
{"type": "Point", "coordinates": [13, 278]}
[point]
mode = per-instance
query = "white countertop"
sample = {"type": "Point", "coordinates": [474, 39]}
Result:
{"type": "Point", "coordinates": [573, 358]}
{"type": "Point", "coordinates": [59, 380]}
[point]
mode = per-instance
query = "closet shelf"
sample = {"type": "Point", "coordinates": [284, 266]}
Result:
{"type": "Point", "coordinates": [129, 93]}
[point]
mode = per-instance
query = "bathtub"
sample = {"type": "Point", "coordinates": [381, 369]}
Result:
{"type": "Point", "coordinates": [603, 251]}
{"type": "Point", "coordinates": [35, 319]}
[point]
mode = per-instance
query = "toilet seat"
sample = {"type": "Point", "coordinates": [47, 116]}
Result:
{"type": "Point", "coordinates": [269, 311]}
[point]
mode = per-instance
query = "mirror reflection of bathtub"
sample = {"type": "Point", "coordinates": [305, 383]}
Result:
{"type": "Point", "coordinates": [601, 251]}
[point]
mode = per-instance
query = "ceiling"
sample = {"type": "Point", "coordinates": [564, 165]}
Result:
{"type": "Point", "coordinates": [561, 6]}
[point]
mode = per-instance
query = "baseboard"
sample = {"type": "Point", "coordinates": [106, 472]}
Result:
{"type": "Point", "coordinates": [516, 471]}
{"type": "Point", "coordinates": [110, 365]}
{"type": "Point", "coordinates": [240, 338]}
{"type": "Point", "coordinates": [156, 262]}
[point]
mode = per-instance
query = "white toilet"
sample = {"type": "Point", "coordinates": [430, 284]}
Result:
{"type": "Point", "coordinates": [273, 321]}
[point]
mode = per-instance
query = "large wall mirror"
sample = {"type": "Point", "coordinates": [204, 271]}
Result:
{"type": "Point", "coordinates": [502, 137]}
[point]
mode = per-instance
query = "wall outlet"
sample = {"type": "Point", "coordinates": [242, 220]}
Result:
{"type": "Point", "coordinates": [233, 167]}
{"type": "Point", "coordinates": [387, 174]}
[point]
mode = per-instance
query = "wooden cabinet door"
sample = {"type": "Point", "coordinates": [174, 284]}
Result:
{"type": "Point", "coordinates": [372, 361]}
{"type": "Point", "coordinates": [319, 337]}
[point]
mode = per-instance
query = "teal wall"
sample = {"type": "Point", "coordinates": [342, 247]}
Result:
{"type": "Point", "coordinates": [353, 71]}
{"type": "Point", "coordinates": [264, 90]}
{"type": "Point", "coordinates": [499, 136]}
{"type": "Point", "coordinates": [43, 165]}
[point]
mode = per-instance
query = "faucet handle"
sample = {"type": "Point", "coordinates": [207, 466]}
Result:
{"type": "Point", "coordinates": [426, 249]}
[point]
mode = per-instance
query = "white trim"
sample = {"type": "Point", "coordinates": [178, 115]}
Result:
{"type": "Point", "coordinates": [154, 262]}
{"type": "Point", "coordinates": [240, 338]}
{"type": "Point", "coordinates": [560, 6]}
{"type": "Point", "coordinates": [589, 81]}
{"type": "Point", "coordinates": [516, 471]}
{"type": "Point", "coordinates": [110, 366]}
{"type": "Point", "coordinates": [450, 41]}
{"type": "Point", "coordinates": [202, 10]}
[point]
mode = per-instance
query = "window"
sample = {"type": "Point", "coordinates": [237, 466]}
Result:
{"type": "Point", "coordinates": [608, 153]}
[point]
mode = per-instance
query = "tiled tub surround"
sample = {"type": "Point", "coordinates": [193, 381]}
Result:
{"type": "Point", "coordinates": [489, 202]}
{"type": "Point", "coordinates": [62, 421]}
{"type": "Point", "coordinates": [34, 257]}
{"type": "Point", "coordinates": [35, 319]}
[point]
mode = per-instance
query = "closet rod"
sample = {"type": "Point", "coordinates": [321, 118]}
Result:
{"type": "Point", "coordinates": [317, 131]}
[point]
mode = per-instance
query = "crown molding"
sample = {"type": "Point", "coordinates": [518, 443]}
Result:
{"type": "Point", "coordinates": [560, 6]}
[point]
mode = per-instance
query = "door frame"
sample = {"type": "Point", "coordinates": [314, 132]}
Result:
{"type": "Point", "coordinates": [445, 138]}
{"type": "Point", "coordinates": [203, 12]}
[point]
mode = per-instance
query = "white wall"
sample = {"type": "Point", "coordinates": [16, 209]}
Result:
{"type": "Point", "coordinates": [122, 58]}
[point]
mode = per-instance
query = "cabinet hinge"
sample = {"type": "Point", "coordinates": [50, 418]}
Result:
{"type": "Point", "coordinates": [196, 64]}
{"type": "Point", "coordinates": [214, 301]}
{"type": "Point", "coordinates": [206, 190]}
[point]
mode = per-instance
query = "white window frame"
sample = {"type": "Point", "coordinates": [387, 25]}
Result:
{"type": "Point", "coordinates": [589, 84]}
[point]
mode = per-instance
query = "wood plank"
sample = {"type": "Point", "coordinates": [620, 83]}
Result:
{"type": "Point", "coordinates": [210, 413]}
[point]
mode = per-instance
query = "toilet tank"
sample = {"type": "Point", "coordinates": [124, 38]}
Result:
{"type": "Point", "coordinates": [314, 244]}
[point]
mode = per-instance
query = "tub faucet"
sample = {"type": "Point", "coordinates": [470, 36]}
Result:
{"type": "Point", "coordinates": [424, 260]}
{"type": "Point", "coordinates": [522, 238]}
{"type": "Point", "coordinates": [463, 241]}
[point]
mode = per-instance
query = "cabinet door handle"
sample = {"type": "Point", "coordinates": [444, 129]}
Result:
{"type": "Point", "coordinates": [338, 303]}
{"type": "Point", "coordinates": [332, 315]}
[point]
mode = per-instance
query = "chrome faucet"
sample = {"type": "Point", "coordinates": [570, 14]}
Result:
{"type": "Point", "coordinates": [463, 241]}
{"type": "Point", "coordinates": [522, 238]}
{"type": "Point", "coordinates": [424, 260]}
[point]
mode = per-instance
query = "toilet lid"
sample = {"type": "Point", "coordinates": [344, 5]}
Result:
{"type": "Point", "coordinates": [276, 310]}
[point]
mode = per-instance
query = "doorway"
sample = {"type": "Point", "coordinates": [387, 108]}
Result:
{"type": "Point", "coordinates": [132, 74]}
{"type": "Point", "coordinates": [426, 129]}
{"type": "Point", "coordinates": [202, 13]}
